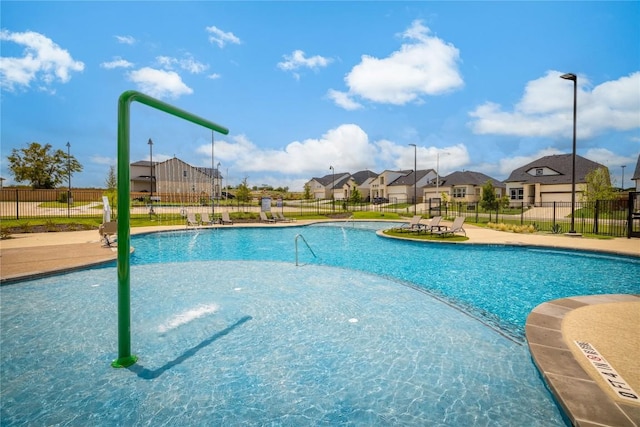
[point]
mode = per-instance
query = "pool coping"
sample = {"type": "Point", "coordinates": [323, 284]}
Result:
{"type": "Point", "coordinates": [582, 399]}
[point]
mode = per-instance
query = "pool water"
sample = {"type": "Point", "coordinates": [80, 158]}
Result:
{"type": "Point", "coordinates": [229, 331]}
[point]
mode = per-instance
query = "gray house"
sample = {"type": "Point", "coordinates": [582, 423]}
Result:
{"type": "Point", "coordinates": [462, 186]}
{"type": "Point", "coordinates": [636, 174]}
{"type": "Point", "coordinates": [548, 179]}
{"type": "Point", "coordinates": [174, 177]}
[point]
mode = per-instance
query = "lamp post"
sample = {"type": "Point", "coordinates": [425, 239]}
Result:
{"type": "Point", "coordinates": [69, 177]}
{"type": "Point", "coordinates": [415, 178]}
{"type": "Point", "coordinates": [571, 76]}
{"type": "Point", "coordinates": [333, 188]}
{"type": "Point", "coordinates": [150, 177]}
{"type": "Point", "coordinates": [622, 185]}
{"type": "Point", "coordinates": [217, 174]}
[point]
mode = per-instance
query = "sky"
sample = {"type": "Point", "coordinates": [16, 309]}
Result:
{"type": "Point", "coordinates": [303, 86]}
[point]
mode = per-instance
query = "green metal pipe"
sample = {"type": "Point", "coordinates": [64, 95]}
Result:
{"type": "Point", "coordinates": [125, 358]}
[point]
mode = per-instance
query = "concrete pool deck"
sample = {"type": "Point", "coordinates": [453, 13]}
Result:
{"type": "Point", "coordinates": [610, 324]}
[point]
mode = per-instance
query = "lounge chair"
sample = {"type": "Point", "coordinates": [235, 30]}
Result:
{"type": "Point", "coordinates": [412, 225]}
{"type": "Point", "coordinates": [107, 230]}
{"type": "Point", "coordinates": [265, 218]}
{"type": "Point", "coordinates": [433, 225]}
{"type": "Point", "coordinates": [191, 220]}
{"type": "Point", "coordinates": [279, 216]}
{"type": "Point", "coordinates": [225, 218]}
{"type": "Point", "coordinates": [456, 227]}
{"type": "Point", "coordinates": [205, 219]}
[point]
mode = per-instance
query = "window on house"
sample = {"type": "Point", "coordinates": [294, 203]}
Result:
{"type": "Point", "coordinates": [539, 172]}
{"type": "Point", "coordinates": [459, 192]}
{"type": "Point", "coordinates": [516, 193]}
{"type": "Point", "coordinates": [382, 180]}
{"type": "Point", "coordinates": [184, 174]}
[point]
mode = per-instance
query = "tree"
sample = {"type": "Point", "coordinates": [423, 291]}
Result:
{"type": "Point", "coordinates": [112, 181]}
{"type": "Point", "coordinates": [356, 196]}
{"type": "Point", "coordinates": [41, 167]}
{"type": "Point", "coordinates": [112, 187]}
{"type": "Point", "coordinates": [489, 202]}
{"type": "Point", "coordinates": [307, 192]}
{"type": "Point", "coordinates": [598, 186]}
{"type": "Point", "coordinates": [243, 194]}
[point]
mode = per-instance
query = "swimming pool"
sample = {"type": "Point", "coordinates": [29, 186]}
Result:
{"type": "Point", "coordinates": [228, 336]}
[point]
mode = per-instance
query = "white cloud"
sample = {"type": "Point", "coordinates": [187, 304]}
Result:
{"type": "Point", "coordinates": [426, 65]}
{"type": "Point", "coordinates": [43, 62]}
{"type": "Point", "coordinates": [116, 63]}
{"type": "Point", "coordinates": [221, 38]}
{"type": "Point", "coordinates": [343, 100]}
{"type": "Point", "coordinates": [297, 60]}
{"type": "Point", "coordinates": [546, 109]}
{"type": "Point", "coordinates": [125, 39]}
{"type": "Point", "coordinates": [214, 76]}
{"type": "Point", "coordinates": [159, 83]}
{"type": "Point", "coordinates": [103, 160]}
{"type": "Point", "coordinates": [189, 64]}
{"type": "Point", "coordinates": [347, 147]}
{"type": "Point", "coordinates": [444, 159]}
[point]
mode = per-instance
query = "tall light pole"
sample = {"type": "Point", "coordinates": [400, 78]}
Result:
{"type": "Point", "coordinates": [333, 188]}
{"type": "Point", "coordinates": [415, 178]}
{"type": "Point", "coordinates": [69, 177]}
{"type": "Point", "coordinates": [150, 177]}
{"type": "Point", "coordinates": [622, 185]}
{"type": "Point", "coordinates": [217, 175]}
{"type": "Point", "coordinates": [571, 76]}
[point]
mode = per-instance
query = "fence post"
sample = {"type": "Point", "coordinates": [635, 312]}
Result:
{"type": "Point", "coordinates": [521, 213]}
{"type": "Point", "coordinates": [554, 216]}
{"type": "Point", "coordinates": [17, 206]}
{"type": "Point", "coordinates": [595, 217]}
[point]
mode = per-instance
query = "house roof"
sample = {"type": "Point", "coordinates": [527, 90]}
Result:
{"type": "Point", "coordinates": [362, 176]}
{"type": "Point", "coordinates": [146, 163]}
{"type": "Point", "coordinates": [561, 163]}
{"type": "Point", "coordinates": [410, 178]}
{"type": "Point", "coordinates": [636, 174]}
{"type": "Point", "coordinates": [326, 180]}
{"type": "Point", "coordinates": [468, 178]}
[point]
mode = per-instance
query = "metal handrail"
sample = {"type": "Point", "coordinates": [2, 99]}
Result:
{"type": "Point", "coordinates": [306, 243]}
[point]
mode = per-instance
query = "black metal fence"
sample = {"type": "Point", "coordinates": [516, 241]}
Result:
{"type": "Point", "coordinates": [616, 218]}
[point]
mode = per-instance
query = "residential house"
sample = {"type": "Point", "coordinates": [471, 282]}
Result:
{"type": "Point", "coordinates": [462, 186]}
{"type": "Point", "coordinates": [379, 185]}
{"type": "Point", "coordinates": [361, 181]}
{"type": "Point", "coordinates": [401, 190]}
{"type": "Point", "coordinates": [549, 179]}
{"type": "Point", "coordinates": [328, 185]}
{"type": "Point", "coordinates": [174, 177]}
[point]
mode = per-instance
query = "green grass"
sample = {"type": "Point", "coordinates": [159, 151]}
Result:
{"type": "Point", "coordinates": [377, 215]}
{"type": "Point", "coordinates": [425, 236]}
{"type": "Point", "coordinates": [61, 204]}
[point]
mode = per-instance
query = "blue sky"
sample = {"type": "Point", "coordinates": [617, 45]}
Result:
{"type": "Point", "coordinates": [307, 85]}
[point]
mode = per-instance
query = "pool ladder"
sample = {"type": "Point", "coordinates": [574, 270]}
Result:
{"type": "Point", "coordinates": [305, 242]}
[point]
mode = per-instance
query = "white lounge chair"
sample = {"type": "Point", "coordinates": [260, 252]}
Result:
{"type": "Point", "coordinates": [412, 225]}
{"type": "Point", "coordinates": [456, 227]}
{"type": "Point", "coordinates": [279, 216]}
{"type": "Point", "coordinates": [205, 219]}
{"type": "Point", "coordinates": [225, 218]}
{"type": "Point", "coordinates": [265, 218]}
{"type": "Point", "coordinates": [107, 230]}
{"type": "Point", "coordinates": [191, 220]}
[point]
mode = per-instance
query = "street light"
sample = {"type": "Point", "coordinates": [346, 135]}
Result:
{"type": "Point", "coordinates": [217, 173]}
{"type": "Point", "coordinates": [69, 177]}
{"type": "Point", "coordinates": [571, 76]}
{"type": "Point", "coordinates": [150, 177]}
{"type": "Point", "coordinates": [622, 185]}
{"type": "Point", "coordinates": [415, 177]}
{"type": "Point", "coordinates": [333, 188]}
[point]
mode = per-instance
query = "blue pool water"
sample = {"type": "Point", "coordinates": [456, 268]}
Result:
{"type": "Point", "coordinates": [229, 331]}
